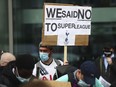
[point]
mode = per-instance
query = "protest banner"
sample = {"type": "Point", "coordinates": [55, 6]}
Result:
{"type": "Point", "coordinates": [66, 25]}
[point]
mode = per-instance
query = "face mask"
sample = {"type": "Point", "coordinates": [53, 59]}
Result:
{"type": "Point", "coordinates": [81, 83]}
{"type": "Point", "coordinates": [23, 79]}
{"type": "Point", "coordinates": [43, 56]}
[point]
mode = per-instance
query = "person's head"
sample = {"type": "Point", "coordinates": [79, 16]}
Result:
{"type": "Point", "coordinates": [24, 66]}
{"type": "Point", "coordinates": [108, 50]}
{"type": "Point", "coordinates": [6, 58]}
{"type": "Point", "coordinates": [87, 72]}
{"type": "Point", "coordinates": [45, 52]}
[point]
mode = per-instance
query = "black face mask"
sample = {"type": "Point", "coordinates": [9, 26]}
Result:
{"type": "Point", "coordinates": [107, 52]}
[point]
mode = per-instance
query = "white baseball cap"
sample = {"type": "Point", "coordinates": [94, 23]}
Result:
{"type": "Point", "coordinates": [6, 58]}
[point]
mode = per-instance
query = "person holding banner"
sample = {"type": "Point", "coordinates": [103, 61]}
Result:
{"type": "Point", "coordinates": [45, 69]}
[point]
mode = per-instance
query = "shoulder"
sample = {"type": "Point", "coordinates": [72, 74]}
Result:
{"type": "Point", "coordinates": [98, 59]}
{"type": "Point", "coordinates": [61, 62]}
{"type": "Point", "coordinates": [58, 62]}
{"type": "Point", "coordinates": [39, 63]}
{"type": "Point", "coordinates": [114, 60]}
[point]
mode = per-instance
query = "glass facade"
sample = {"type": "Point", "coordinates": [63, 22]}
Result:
{"type": "Point", "coordinates": [27, 28]}
{"type": "Point", "coordinates": [4, 31]}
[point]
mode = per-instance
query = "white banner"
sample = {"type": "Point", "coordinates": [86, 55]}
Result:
{"type": "Point", "coordinates": [61, 19]}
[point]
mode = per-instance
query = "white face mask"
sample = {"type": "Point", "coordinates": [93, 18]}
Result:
{"type": "Point", "coordinates": [44, 56]}
{"type": "Point", "coordinates": [23, 79]}
{"type": "Point", "coordinates": [81, 83]}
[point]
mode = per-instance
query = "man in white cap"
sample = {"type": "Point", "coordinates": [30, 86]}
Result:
{"type": "Point", "coordinates": [6, 58]}
{"type": "Point", "coordinates": [18, 72]}
{"type": "Point", "coordinates": [7, 61]}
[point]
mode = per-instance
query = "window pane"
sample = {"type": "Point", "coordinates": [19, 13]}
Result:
{"type": "Point", "coordinates": [4, 42]}
{"type": "Point", "coordinates": [27, 30]}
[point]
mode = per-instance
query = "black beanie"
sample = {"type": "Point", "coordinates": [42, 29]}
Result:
{"type": "Point", "coordinates": [25, 61]}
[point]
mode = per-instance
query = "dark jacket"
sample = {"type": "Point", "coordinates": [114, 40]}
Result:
{"type": "Point", "coordinates": [113, 73]}
{"type": "Point", "coordinates": [73, 80]}
{"type": "Point", "coordinates": [110, 73]}
{"type": "Point", "coordinates": [8, 78]}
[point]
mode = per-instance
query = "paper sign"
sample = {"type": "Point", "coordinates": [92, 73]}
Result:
{"type": "Point", "coordinates": [76, 18]}
{"type": "Point", "coordinates": [59, 19]}
{"type": "Point", "coordinates": [104, 82]}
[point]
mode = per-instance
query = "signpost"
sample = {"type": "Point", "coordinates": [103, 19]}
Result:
{"type": "Point", "coordinates": [66, 25]}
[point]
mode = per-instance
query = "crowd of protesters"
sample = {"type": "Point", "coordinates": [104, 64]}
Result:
{"type": "Point", "coordinates": [24, 69]}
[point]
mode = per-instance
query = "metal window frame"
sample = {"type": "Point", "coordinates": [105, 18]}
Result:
{"type": "Point", "coordinates": [10, 25]}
